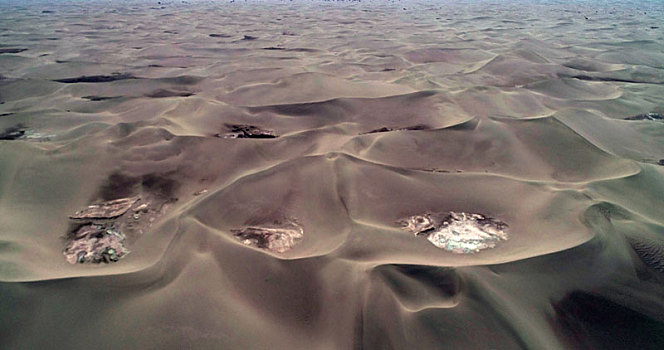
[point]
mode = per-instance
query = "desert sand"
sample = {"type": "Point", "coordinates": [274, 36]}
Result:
{"type": "Point", "coordinates": [270, 152]}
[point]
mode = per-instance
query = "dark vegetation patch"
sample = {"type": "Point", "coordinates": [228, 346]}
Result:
{"type": "Point", "coordinates": [389, 129]}
{"type": "Point", "coordinates": [646, 116]}
{"type": "Point", "coordinates": [13, 133]}
{"type": "Point", "coordinates": [609, 79]}
{"type": "Point", "coordinates": [244, 131]}
{"type": "Point", "coordinates": [100, 98]}
{"type": "Point", "coordinates": [12, 50]}
{"type": "Point", "coordinates": [96, 78]}
{"type": "Point", "coordinates": [163, 93]}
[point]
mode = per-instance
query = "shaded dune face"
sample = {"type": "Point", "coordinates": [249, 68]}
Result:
{"type": "Point", "coordinates": [331, 175]}
{"type": "Point", "coordinates": [618, 326]}
{"type": "Point", "coordinates": [650, 251]}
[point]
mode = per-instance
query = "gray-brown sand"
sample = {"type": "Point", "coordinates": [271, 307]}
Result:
{"type": "Point", "coordinates": [268, 156]}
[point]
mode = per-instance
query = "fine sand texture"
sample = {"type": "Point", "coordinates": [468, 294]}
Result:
{"type": "Point", "coordinates": [237, 175]}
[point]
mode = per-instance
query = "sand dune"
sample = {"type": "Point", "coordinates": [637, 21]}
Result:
{"type": "Point", "coordinates": [265, 154]}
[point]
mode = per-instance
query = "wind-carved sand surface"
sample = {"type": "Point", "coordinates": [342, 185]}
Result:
{"type": "Point", "coordinates": [266, 155]}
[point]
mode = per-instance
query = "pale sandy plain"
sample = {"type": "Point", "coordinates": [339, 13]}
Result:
{"type": "Point", "coordinates": [524, 105]}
